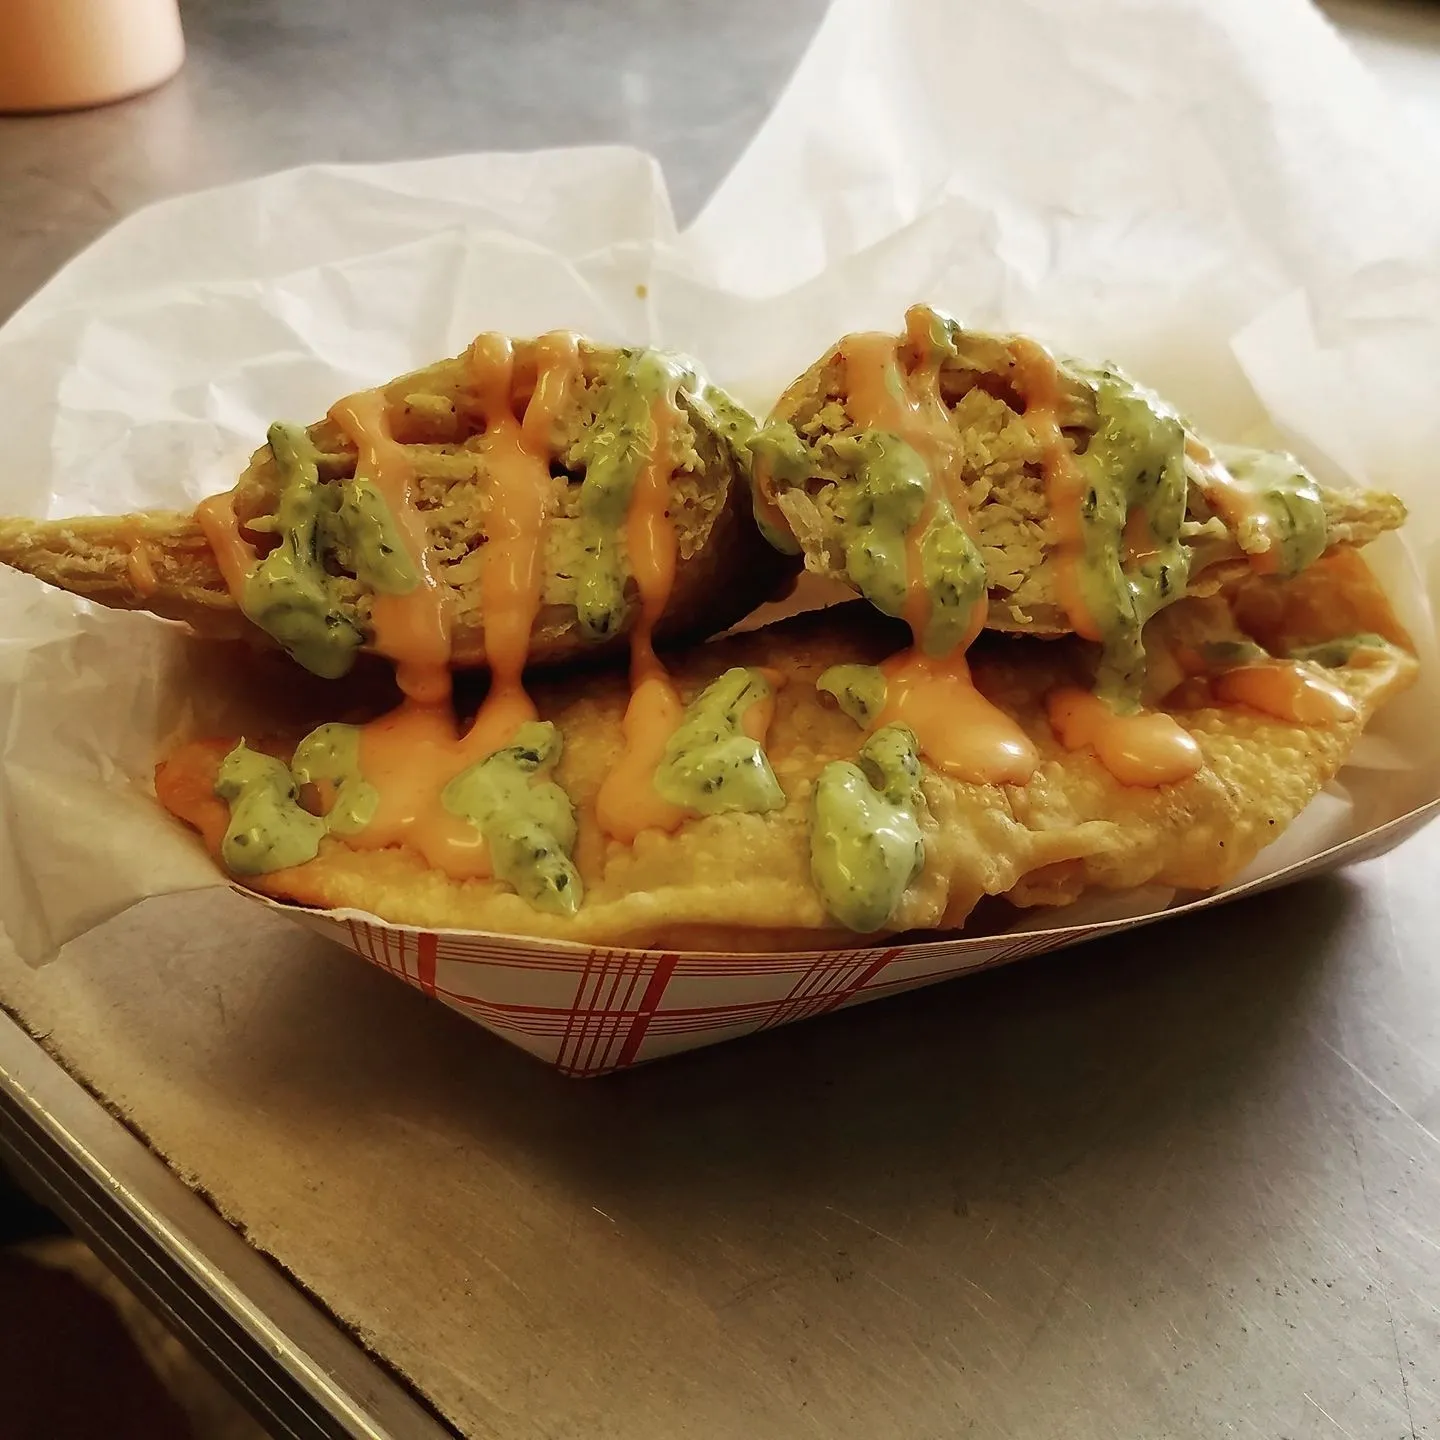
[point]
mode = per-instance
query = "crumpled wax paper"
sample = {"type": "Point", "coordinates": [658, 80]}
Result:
{"type": "Point", "coordinates": [1214, 193]}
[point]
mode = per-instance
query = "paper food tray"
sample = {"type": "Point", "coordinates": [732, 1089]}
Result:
{"type": "Point", "coordinates": [588, 1012]}
{"type": "Point", "coordinates": [1216, 196]}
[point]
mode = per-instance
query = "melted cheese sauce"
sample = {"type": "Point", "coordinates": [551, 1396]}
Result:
{"type": "Point", "coordinates": [1145, 749]}
{"type": "Point", "coordinates": [628, 802]}
{"type": "Point", "coordinates": [958, 729]}
{"type": "Point", "coordinates": [233, 553]}
{"type": "Point", "coordinates": [1288, 691]}
{"type": "Point", "coordinates": [962, 733]}
{"type": "Point", "coordinates": [518, 460]}
{"type": "Point", "coordinates": [410, 755]}
{"type": "Point", "coordinates": [412, 629]}
{"type": "Point", "coordinates": [1141, 749]}
{"type": "Point", "coordinates": [913, 410]}
{"type": "Point", "coordinates": [1040, 387]}
{"type": "Point", "coordinates": [139, 561]}
{"type": "Point", "coordinates": [1238, 505]}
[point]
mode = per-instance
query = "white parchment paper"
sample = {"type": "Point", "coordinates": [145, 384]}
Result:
{"type": "Point", "coordinates": [1214, 193]}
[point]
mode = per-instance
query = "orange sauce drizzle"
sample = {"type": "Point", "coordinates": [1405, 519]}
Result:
{"type": "Point", "coordinates": [958, 729]}
{"type": "Point", "coordinates": [1144, 749]}
{"type": "Point", "coordinates": [1039, 384]}
{"type": "Point", "coordinates": [233, 553]}
{"type": "Point", "coordinates": [140, 561]}
{"type": "Point", "coordinates": [1236, 505]}
{"type": "Point", "coordinates": [518, 453]}
{"type": "Point", "coordinates": [628, 801]}
{"type": "Point", "coordinates": [412, 629]}
{"type": "Point", "coordinates": [410, 755]}
{"type": "Point", "coordinates": [650, 535]}
{"type": "Point", "coordinates": [918, 416]}
{"type": "Point", "coordinates": [964, 735]}
{"type": "Point", "coordinates": [1288, 691]}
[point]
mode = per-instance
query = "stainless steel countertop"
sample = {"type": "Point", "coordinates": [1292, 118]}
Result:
{"type": "Point", "coordinates": [1183, 1183]}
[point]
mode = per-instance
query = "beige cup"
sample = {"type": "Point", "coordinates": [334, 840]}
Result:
{"type": "Point", "coordinates": [65, 54]}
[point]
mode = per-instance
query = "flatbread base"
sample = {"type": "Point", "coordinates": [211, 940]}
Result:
{"type": "Point", "coordinates": [742, 881]}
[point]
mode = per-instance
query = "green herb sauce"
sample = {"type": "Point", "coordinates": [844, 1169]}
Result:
{"type": "Point", "coordinates": [528, 822]}
{"type": "Point", "coordinates": [710, 764]}
{"type": "Point", "coordinates": [290, 594]}
{"type": "Point", "coordinates": [332, 753]}
{"type": "Point", "coordinates": [859, 690]}
{"type": "Point", "coordinates": [866, 847]}
{"type": "Point", "coordinates": [1288, 495]}
{"type": "Point", "coordinates": [614, 451]}
{"type": "Point", "coordinates": [1134, 461]}
{"type": "Point", "coordinates": [268, 829]}
{"type": "Point", "coordinates": [1334, 654]}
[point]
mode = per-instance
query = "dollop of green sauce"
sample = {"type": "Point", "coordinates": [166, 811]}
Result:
{"type": "Point", "coordinates": [368, 531]}
{"type": "Point", "coordinates": [1289, 496]}
{"type": "Point", "coordinates": [332, 753]}
{"type": "Point", "coordinates": [710, 764]}
{"type": "Point", "coordinates": [866, 846]}
{"type": "Point", "coordinates": [528, 823]}
{"type": "Point", "coordinates": [1336, 653]}
{"type": "Point", "coordinates": [891, 484]}
{"type": "Point", "coordinates": [1135, 460]}
{"type": "Point", "coordinates": [774, 444]}
{"type": "Point", "coordinates": [955, 579]}
{"type": "Point", "coordinates": [614, 450]}
{"type": "Point", "coordinates": [290, 594]}
{"type": "Point", "coordinates": [859, 690]}
{"type": "Point", "coordinates": [1231, 654]}
{"type": "Point", "coordinates": [721, 411]}
{"type": "Point", "coordinates": [778, 447]}
{"type": "Point", "coordinates": [268, 829]}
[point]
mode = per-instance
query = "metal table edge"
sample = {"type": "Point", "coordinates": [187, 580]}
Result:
{"type": "Point", "coordinates": [290, 1363]}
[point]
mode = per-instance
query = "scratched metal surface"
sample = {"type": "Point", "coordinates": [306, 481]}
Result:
{"type": "Point", "coordinates": [1182, 1184]}
{"type": "Point", "coordinates": [1186, 1183]}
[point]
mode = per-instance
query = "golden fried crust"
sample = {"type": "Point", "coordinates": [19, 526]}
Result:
{"type": "Point", "coordinates": [1009, 512]}
{"type": "Point", "coordinates": [160, 561]}
{"type": "Point", "coordinates": [742, 881]}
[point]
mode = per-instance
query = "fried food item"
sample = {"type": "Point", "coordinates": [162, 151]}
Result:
{"type": "Point", "coordinates": [836, 850]}
{"type": "Point", "coordinates": [1089, 501]}
{"type": "Point", "coordinates": [332, 532]}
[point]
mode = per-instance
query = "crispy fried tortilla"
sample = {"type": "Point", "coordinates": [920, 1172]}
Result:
{"type": "Point", "coordinates": [1230, 510]}
{"type": "Point", "coordinates": [165, 562]}
{"type": "Point", "coordinates": [866, 771]}
{"type": "Point", "coordinates": [746, 879]}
